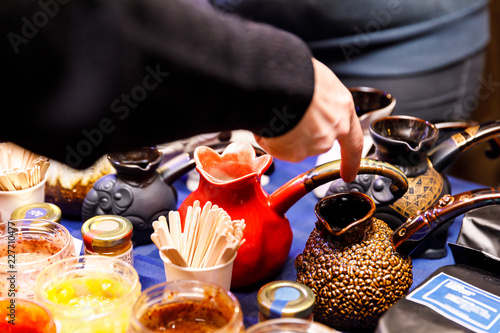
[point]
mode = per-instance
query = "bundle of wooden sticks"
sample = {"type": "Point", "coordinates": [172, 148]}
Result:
{"type": "Point", "coordinates": [209, 237]}
{"type": "Point", "coordinates": [20, 168]}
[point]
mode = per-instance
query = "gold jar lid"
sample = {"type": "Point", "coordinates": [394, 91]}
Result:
{"type": "Point", "coordinates": [42, 211]}
{"type": "Point", "coordinates": [285, 299]}
{"type": "Point", "coordinates": [106, 231]}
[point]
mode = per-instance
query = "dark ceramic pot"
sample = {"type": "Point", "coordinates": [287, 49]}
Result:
{"type": "Point", "coordinates": [136, 192]}
{"type": "Point", "coordinates": [409, 144]}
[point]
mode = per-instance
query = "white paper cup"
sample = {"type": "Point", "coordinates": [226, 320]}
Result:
{"type": "Point", "coordinates": [219, 275]}
{"type": "Point", "coordinates": [10, 200]}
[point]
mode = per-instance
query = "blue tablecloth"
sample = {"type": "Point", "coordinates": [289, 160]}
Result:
{"type": "Point", "coordinates": [301, 216]}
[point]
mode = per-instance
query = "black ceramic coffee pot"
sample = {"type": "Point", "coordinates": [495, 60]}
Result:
{"type": "Point", "coordinates": [136, 192]}
{"type": "Point", "coordinates": [410, 144]}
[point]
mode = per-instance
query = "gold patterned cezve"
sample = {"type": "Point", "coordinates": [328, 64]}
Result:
{"type": "Point", "coordinates": [423, 191]}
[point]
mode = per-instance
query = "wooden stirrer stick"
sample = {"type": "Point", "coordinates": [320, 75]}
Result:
{"type": "Point", "coordinates": [174, 256]}
{"type": "Point", "coordinates": [193, 234]}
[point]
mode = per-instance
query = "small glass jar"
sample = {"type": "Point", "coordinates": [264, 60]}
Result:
{"type": "Point", "coordinates": [43, 211]}
{"type": "Point", "coordinates": [108, 235]}
{"type": "Point", "coordinates": [89, 294]}
{"type": "Point", "coordinates": [290, 325]}
{"type": "Point", "coordinates": [285, 299]}
{"type": "Point", "coordinates": [188, 306]}
{"type": "Point", "coordinates": [19, 315]}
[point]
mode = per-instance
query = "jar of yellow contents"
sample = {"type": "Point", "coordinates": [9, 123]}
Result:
{"type": "Point", "coordinates": [89, 294]}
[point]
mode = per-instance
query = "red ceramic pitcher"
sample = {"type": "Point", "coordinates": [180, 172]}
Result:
{"type": "Point", "coordinates": [231, 180]}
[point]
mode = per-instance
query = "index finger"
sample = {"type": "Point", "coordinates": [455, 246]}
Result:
{"type": "Point", "coordinates": [351, 148]}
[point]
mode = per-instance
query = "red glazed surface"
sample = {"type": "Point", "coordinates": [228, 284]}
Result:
{"type": "Point", "coordinates": [232, 181]}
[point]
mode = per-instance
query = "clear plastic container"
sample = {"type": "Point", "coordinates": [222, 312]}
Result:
{"type": "Point", "coordinates": [290, 325]}
{"type": "Point", "coordinates": [89, 294]}
{"type": "Point", "coordinates": [26, 247]}
{"type": "Point", "coordinates": [188, 306]}
{"type": "Point", "coordinates": [21, 316]}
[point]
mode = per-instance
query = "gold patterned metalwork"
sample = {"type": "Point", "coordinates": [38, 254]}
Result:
{"type": "Point", "coordinates": [423, 191]}
{"type": "Point", "coordinates": [458, 139]}
{"type": "Point", "coordinates": [472, 130]}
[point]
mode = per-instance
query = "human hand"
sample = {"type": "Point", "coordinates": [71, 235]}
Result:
{"type": "Point", "coordinates": [331, 115]}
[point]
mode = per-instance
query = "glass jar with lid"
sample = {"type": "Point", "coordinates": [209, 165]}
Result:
{"type": "Point", "coordinates": [186, 306]}
{"type": "Point", "coordinates": [89, 294]}
{"type": "Point", "coordinates": [108, 235]}
{"type": "Point", "coordinates": [290, 325]}
{"type": "Point", "coordinates": [42, 211]}
{"type": "Point", "coordinates": [285, 299]}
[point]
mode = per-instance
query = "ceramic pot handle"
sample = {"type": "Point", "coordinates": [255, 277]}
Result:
{"type": "Point", "coordinates": [417, 228]}
{"type": "Point", "coordinates": [444, 153]}
{"type": "Point", "coordinates": [493, 151]}
{"type": "Point", "coordinates": [455, 125]}
{"type": "Point", "coordinates": [284, 197]}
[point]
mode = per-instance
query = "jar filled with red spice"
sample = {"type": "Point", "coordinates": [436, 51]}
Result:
{"type": "Point", "coordinates": [19, 315]}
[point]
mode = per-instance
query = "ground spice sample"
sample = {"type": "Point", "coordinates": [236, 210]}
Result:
{"type": "Point", "coordinates": [23, 316]}
{"type": "Point", "coordinates": [354, 284]}
{"type": "Point", "coordinates": [30, 250]}
{"type": "Point", "coordinates": [27, 257]}
{"type": "Point", "coordinates": [185, 317]}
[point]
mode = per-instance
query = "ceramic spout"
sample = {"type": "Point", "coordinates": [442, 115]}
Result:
{"type": "Point", "coordinates": [345, 216]}
{"type": "Point", "coordinates": [417, 228]}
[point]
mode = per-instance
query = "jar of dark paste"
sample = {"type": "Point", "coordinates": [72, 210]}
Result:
{"type": "Point", "coordinates": [186, 306]}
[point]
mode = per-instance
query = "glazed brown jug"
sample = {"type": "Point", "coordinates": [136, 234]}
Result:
{"type": "Point", "coordinates": [357, 266]}
{"type": "Point", "coordinates": [409, 143]}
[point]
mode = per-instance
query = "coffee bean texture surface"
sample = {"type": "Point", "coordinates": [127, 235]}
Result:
{"type": "Point", "coordinates": [354, 284]}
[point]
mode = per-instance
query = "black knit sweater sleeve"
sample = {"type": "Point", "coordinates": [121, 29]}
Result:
{"type": "Point", "coordinates": [85, 77]}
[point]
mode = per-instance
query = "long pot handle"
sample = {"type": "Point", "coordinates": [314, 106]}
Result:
{"type": "Point", "coordinates": [442, 154]}
{"type": "Point", "coordinates": [288, 194]}
{"type": "Point", "coordinates": [408, 236]}
{"type": "Point", "coordinates": [455, 125]}
{"type": "Point", "coordinates": [493, 151]}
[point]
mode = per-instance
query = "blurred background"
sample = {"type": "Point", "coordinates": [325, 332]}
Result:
{"type": "Point", "coordinates": [474, 165]}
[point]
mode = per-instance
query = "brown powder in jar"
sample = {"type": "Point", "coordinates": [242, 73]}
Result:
{"type": "Point", "coordinates": [185, 317]}
{"type": "Point", "coordinates": [29, 250]}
